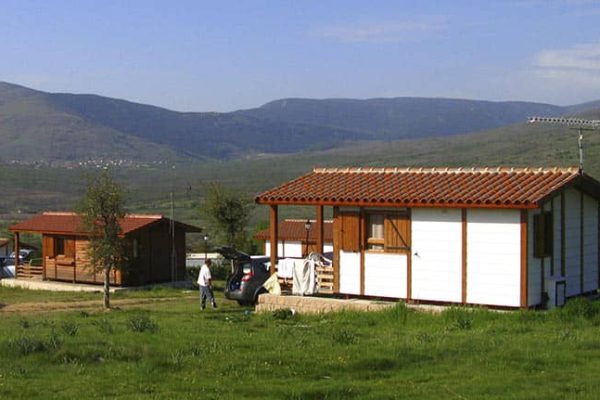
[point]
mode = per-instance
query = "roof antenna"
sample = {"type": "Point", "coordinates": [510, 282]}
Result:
{"type": "Point", "coordinates": [574, 123]}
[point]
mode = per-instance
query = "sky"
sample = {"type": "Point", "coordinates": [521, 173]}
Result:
{"type": "Point", "coordinates": [226, 55]}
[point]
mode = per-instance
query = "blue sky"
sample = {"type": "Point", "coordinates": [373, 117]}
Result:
{"type": "Point", "coordinates": [227, 55]}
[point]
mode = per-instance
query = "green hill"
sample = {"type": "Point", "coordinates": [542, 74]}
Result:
{"type": "Point", "coordinates": [37, 126]}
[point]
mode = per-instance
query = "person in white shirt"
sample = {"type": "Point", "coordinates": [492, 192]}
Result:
{"type": "Point", "coordinates": [205, 284]}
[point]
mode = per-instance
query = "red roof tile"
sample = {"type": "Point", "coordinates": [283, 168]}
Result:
{"type": "Point", "coordinates": [71, 223]}
{"type": "Point", "coordinates": [293, 229]}
{"type": "Point", "coordinates": [427, 187]}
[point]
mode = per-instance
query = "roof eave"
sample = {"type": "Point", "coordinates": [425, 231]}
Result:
{"type": "Point", "coordinates": [399, 204]}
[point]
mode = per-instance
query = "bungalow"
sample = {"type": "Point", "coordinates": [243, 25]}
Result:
{"type": "Point", "coordinates": [155, 249]}
{"type": "Point", "coordinates": [295, 239]}
{"type": "Point", "coordinates": [504, 237]}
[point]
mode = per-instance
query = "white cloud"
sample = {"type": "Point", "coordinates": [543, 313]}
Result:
{"type": "Point", "coordinates": [569, 73]}
{"type": "Point", "coordinates": [578, 57]}
{"type": "Point", "coordinates": [382, 32]}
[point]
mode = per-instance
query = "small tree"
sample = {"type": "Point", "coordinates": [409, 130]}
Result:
{"type": "Point", "coordinates": [101, 208]}
{"type": "Point", "coordinates": [228, 212]}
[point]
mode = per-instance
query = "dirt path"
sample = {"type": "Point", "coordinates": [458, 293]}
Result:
{"type": "Point", "coordinates": [51, 306]}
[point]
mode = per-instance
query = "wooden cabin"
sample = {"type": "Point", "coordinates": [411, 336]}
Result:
{"type": "Point", "coordinates": [294, 239]}
{"type": "Point", "coordinates": [155, 249]}
{"type": "Point", "coordinates": [503, 237]}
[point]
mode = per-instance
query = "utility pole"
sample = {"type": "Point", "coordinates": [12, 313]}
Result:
{"type": "Point", "coordinates": [578, 124]}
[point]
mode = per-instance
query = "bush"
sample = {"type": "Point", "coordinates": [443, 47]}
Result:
{"type": "Point", "coordinates": [70, 328]}
{"type": "Point", "coordinates": [283, 313]}
{"type": "Point", "coordinates": [344, 337]}
{"type": "Point", "coordinates": [580, 307]}
{"type": "Point", "coordinates": [458, 318]}
{"type": "Point", "coordinates": [142, 323]}
{"type": "Point", "coordinates": [26, 345]}
{"type": "Point", "coordinates": [104, 326]}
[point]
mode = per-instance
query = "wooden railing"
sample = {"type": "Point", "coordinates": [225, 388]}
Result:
{"type": "Point", "coordinates": [28, 271]}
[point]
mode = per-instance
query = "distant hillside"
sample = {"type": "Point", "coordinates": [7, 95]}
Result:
{"type": "Point", "coordinates": [405, 117]}
{"type": "Point", "coordinates": [35, 125]}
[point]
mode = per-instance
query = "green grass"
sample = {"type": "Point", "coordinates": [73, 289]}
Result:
{"type": "Point", "coordinates": [173, 350]}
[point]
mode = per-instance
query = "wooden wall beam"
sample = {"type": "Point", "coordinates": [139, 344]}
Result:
{"type": "Point", "coordinates": [319, 232]}
{"type": "Point", "coordinates": [17, 249]}
{"type": "Point", "coordinates": [464, 256]}
{"type": "Point", "coordinates": [274, 235]}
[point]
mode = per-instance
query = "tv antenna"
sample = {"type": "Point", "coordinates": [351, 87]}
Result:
{"type": "Point", "coordinates": [578, 124]}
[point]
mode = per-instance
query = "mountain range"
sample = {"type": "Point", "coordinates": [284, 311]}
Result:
{"type": "Point", "coordinates": [36, 125]}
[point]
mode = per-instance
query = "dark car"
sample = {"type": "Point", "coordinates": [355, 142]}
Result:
{"type": "Point", "coordinates": [249, 274]}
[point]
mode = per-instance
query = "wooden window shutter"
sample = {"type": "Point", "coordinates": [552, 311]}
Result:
{"type": "Point", "coordinates": [397, 233]}
{"type": "Point", "coordinates": [350, 231]}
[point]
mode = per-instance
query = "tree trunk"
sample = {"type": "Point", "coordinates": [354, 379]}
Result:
{"type": "Point", "coordinates": [107, 288]}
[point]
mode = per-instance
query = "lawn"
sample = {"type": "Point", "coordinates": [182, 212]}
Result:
{"type": "Point", "coordinates": [171, 349]}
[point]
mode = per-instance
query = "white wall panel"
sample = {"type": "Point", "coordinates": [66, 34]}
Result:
{"type": "Point", "coordinates": [572, 241]}
{"type": "Point", "coordinates": [534, 265]}
{"type": "Point", "coordinates": [437, 254]}
{"type": "Point", "coordinates": [349, 273]}
{"type": "Point", "coordinates": [590, 244]}
{"type": "Point", "coordinates": [494, 257]}
{"type": "Point", "coordinates": [385, 275]}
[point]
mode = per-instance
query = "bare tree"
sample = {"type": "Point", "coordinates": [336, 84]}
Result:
{"type": "Point", "coordinates": [101, 208]}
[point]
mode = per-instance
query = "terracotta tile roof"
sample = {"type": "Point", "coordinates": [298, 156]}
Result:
{"type": "Point", "coordinates": [293, 229]}
{"type": "Point", "coordinates": [70, 223]}
{"type": "Point", "coordinates": [427, 187]}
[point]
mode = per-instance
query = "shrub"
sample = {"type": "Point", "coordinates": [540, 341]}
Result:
{"type": "Point", "coordinates": [26, 345]}
{"type": "Point", "coordinates": [283, 313]}
{"type": "Point", "coordinates": [142, 323]}
{"type": "Point", "coordinates": [104, 326]}
{"type": "Point", "coordinates": [398, 313]}
{"type": "Point", "coordinates": [580, 307]}
{"type": "Point", "coordinates": [54, 342]}
{"type": "Point", "coordinates": [25, 324]}
{"type": "Point", "coordinates": [70, 328]}
{"type": "Point", "coordinates": [458, 318]}
{"type": "Point", "coordinates": [344, 337]}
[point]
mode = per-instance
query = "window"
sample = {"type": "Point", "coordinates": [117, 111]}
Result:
{"type": "Point", "coordinates": [542, 235]}
{"type": "Point", "coordinates": [375, 237]}
{"type": "Point", "coordinates": [388, 232]}
{"type": "Point", "coordinates": [59, 246]}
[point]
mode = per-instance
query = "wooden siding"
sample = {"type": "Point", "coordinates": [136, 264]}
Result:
{"type": "Point", "coordinates": [349, 231]}
{"type": "Point", "coordinates": [153, 263]}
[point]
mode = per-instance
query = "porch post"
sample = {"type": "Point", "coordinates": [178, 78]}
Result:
{"type": "Point", "coordinates": [273, 235]}
{"type": "Point", "coordinates": [17, 249]}
{"type": "Point", "coordinates": [319, 237]}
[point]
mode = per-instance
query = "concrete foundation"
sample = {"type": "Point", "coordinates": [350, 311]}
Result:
{"type": "Point", "coordinates": [316, 305]}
